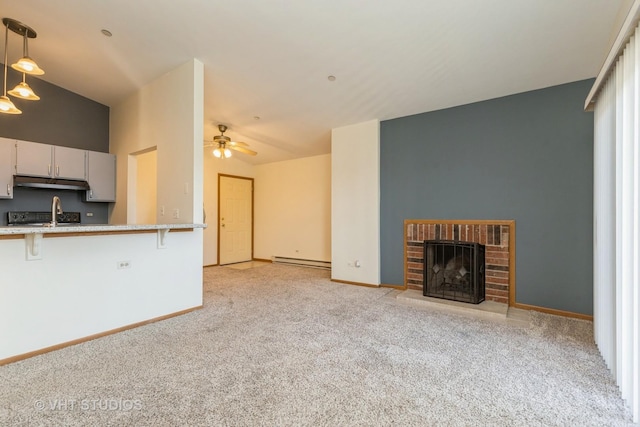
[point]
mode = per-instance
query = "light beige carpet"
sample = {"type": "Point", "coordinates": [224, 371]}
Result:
{"type": "Point", "coordinates": [248, 264]}
{"type": "Point", "coordinates": [282, 345]}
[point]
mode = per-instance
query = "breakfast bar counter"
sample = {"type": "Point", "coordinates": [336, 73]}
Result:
{"type": "Point", "coordinates": [92, 228]}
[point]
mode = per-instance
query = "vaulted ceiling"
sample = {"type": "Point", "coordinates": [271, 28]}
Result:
{"type": "Point", "coordinates": [267, 62]}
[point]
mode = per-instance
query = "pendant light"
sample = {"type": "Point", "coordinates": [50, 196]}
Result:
{"type": "Point", "coordinates": [23, 91]}
{"type": "Point", "coordinates": [6, 106]}
{"type": "Point", "coordinates": [24, 64]}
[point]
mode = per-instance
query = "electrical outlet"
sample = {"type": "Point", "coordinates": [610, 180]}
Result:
{"type": "Point", "coordinates": [161, 210]}
{"type": "Point", "coordinates": [176, 213]}
{"type": "Point", "coordinates": [122, 265]}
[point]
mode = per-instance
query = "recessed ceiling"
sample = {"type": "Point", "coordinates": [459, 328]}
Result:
{"type": "Point", "coordinates": [273, 60]}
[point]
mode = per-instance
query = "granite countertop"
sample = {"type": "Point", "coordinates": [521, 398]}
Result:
{"type": "Point", "coordinates": [92, 228]}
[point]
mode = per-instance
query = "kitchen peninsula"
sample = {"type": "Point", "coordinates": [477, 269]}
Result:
{"type": "Point", "coordinates": [67, 284]}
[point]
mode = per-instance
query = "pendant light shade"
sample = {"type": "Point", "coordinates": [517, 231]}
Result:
{"type": "Point", "coordinates": [23, 91]}
{"type": "Point", "coordinates": [28, 66]}
{"type": "Point", "coordinates": [7, 107]}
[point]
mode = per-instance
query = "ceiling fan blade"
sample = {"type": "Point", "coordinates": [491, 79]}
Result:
{"type": "Point", "coordinates": [238, 143]}
{"type": "Point", "coordinates": [242, 150]}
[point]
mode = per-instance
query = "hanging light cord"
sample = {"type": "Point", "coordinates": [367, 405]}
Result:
{"type": "Point", "coordinates": [25, 45]}
{"type": "Point", "coordinates": [6, 44]}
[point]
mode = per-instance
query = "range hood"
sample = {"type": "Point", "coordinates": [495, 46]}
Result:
{"type": "Point", "coordinates": [56, 183]}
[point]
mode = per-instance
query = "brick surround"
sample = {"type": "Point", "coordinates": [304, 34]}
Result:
{"type": "Point", "coordinates": [497, 236]}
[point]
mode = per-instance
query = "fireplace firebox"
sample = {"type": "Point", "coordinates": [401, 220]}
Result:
{"type": "Point", "coordinates": [454, 270]}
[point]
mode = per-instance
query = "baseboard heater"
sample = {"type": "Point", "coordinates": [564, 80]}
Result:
{"type": "Point", "coordinates": [302, 262]}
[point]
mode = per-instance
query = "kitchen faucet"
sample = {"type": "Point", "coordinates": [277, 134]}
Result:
{"type": "Point", "coordinates": [56, 209]}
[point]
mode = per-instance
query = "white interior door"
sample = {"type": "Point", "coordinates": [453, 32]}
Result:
{"type": "Point", "coordinates": [235, 223]}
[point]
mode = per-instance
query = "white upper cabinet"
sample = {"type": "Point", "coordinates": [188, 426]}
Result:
{"type": "Point", "coordinates": [49, 161]}
{"type": "Point", "coordinates": [101, 175]}
{"type": "Point", "coordinates": [34, 159]}
{"type": "Point", "coordinates": [69, 163]}
{"type": "Point", "coordinates": [7, 165]}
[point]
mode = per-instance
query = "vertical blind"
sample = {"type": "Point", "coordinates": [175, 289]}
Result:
{"type": "Point", "coordinates": [617, 222]}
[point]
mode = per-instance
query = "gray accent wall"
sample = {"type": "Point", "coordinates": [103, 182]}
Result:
{"type": "Point", "coordinates": [62, 118]}
{"type": "Point", "coordinates": [526, 157]}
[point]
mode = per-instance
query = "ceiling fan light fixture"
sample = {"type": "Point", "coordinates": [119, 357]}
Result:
{"type": "Point", "coordinates": [222, 152]}
{"type": "Point", "coordinates": [224, 147]}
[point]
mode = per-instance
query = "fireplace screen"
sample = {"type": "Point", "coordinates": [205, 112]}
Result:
{"type": "Point", "coordinates": [454, 270]}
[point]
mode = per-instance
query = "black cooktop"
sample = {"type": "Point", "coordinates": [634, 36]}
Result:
{"type": "Point", "coordinates": [24, 218]}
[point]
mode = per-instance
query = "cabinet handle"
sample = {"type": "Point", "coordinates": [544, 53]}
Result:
{"type": "Point", "coordinates": [57, 170]}
{"type": "Point", "coordinates": [91, 194]}
{"type": "Point", "coordinates": [49, 170]}
{"type": "Point", "coordinates": [8, 189]}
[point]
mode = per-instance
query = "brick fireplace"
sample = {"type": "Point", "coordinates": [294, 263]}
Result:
{"type": "Point", "coordinates": [498, 237]}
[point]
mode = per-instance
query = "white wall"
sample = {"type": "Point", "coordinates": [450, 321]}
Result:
{"type": "Point", "coordinates": [167, 113]}
{"type": "Point", "coordinates": [355, 203]}
{"type": "Point", "coordinates": [76, 289]}
{"type": "Point", "coordinates": [292, 210]}
{"type": "Point", "coordinates": [212, 167]}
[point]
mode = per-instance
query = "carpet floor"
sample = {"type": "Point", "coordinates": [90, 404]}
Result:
{"type": "Point", "coordinates": [281, 346]}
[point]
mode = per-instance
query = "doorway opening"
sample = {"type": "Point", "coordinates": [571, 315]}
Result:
{"type": "Point", "coordinates": [143, 187]}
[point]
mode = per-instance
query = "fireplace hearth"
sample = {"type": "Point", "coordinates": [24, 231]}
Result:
{"type": "Point", "coordinates": [454, 270]}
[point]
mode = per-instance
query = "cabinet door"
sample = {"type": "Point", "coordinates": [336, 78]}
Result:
{"type": "Point", "coordinates": [7, 165]}
{"type": "Point", "coordinates": [69, 163]}
{"type": "Point", "coordinates": [34, 159]}
{"type": "Point", "coordinates": [101, 175]}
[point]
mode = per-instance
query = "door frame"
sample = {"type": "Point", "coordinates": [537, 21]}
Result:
{"type": "Point", "coordinates": [224, 175]}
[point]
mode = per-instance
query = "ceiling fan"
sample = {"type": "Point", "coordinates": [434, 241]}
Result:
{"type": "Point", "coordinates": [223, 145]}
